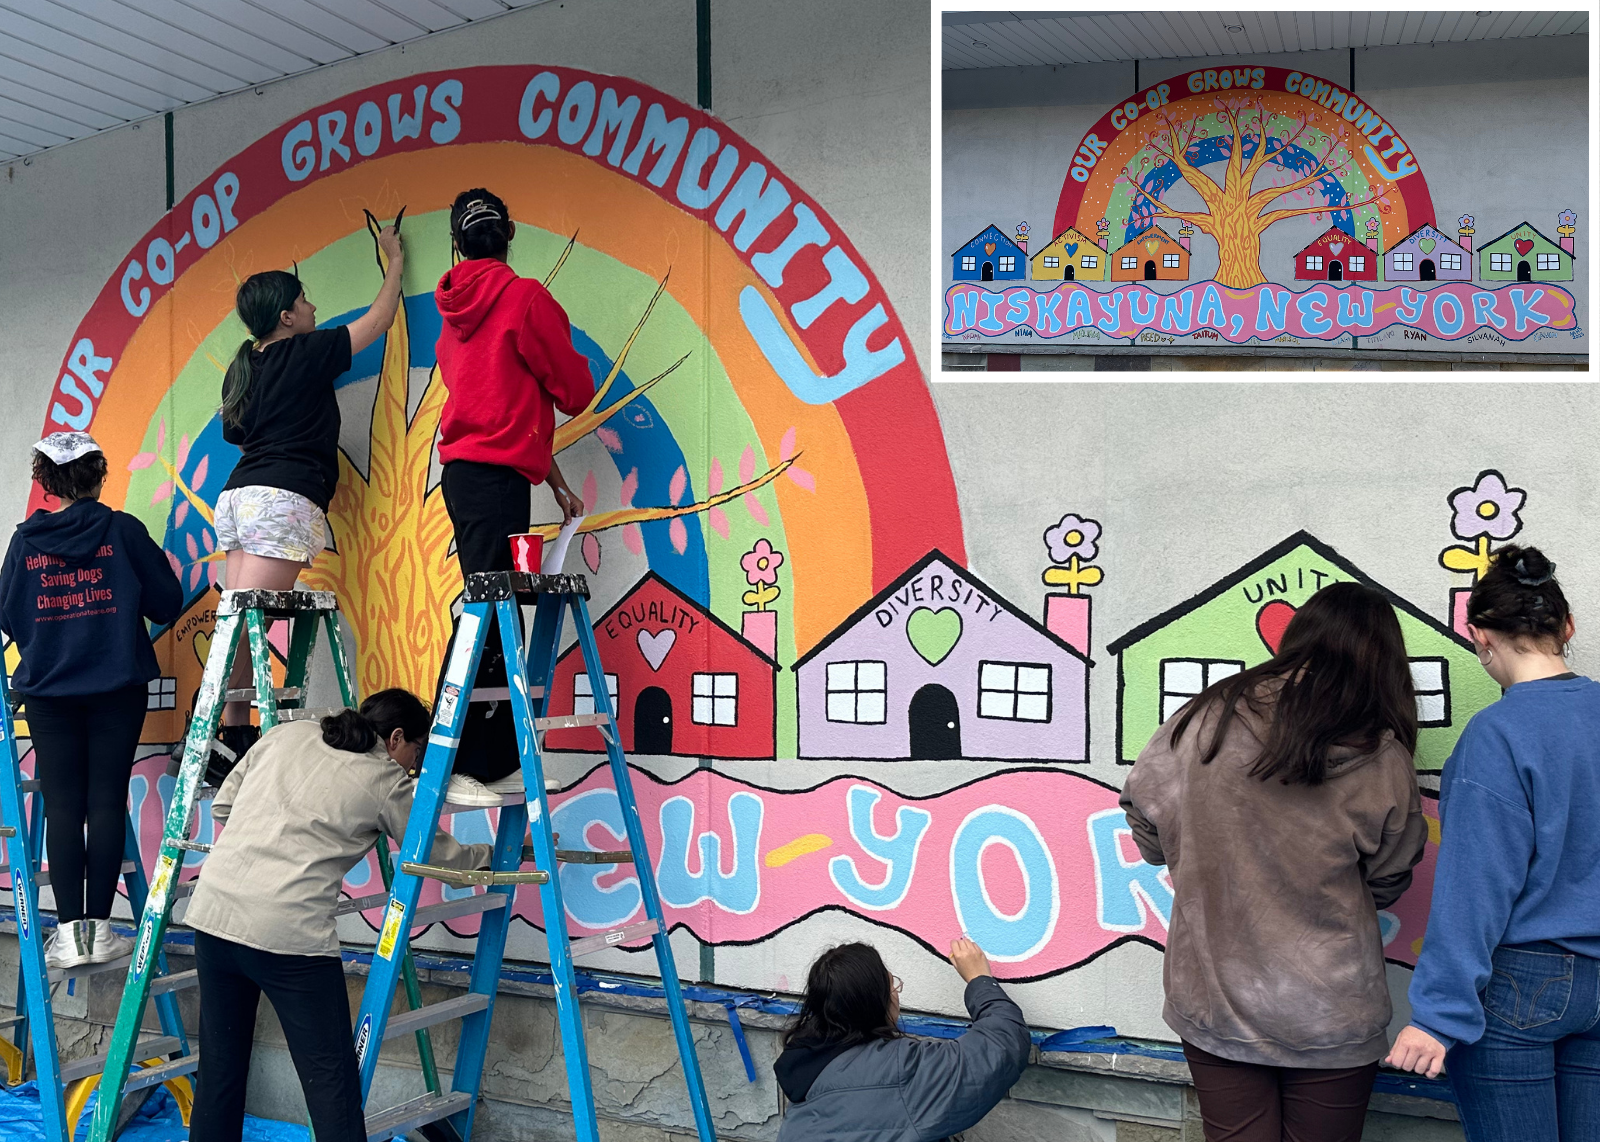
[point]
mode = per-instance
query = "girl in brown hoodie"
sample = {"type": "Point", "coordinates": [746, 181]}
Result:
{"type": "Point", "coordinates": [1284, 802]}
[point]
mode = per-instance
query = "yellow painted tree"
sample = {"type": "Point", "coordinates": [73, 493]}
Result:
{"type": "Point", "coordinates": [1235, 212]}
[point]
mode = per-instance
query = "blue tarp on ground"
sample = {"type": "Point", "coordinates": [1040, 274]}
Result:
{"type": "Point", "coordinates": [158, 1121]}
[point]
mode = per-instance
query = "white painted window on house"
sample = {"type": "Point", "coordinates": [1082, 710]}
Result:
{"type": "Point", "coordinates": [1449, 261]}
{"type": "Point", "coordinates": [1549, 262]}
{"type": "Point", "coordinates": [163, 694]}
{"type": "Point", "coordinates": [1430, 678]}
{"type": "Point", "coordinates": [583, 693]}
{"type": "Point", "coordinates": [1183, 678]}
{"type": "Point", "coordinates": [1172, 261]}
{"type": "Point", "coordinates": [969, 262]}
{"type": "Point", "coordinates": [1051, 263]}
{"type": "Point", "coordinates": [1358, 264]}
{"type": "Point", "coordinates": [1402, 261]}
{"type": "Point", "coordinates": [1130, 264]}
{"type": "Point", "coordinates": [1313, 261]}
{"type": "Point", "coordinates": [715, 699]}
{"type": "Point", "coordinates": [1014, 691]}
{"type": "Point", "coordinates": [1500, 262]}
{"type": "Point", "coordinates": [1007, 264]}
{"type": "Point", "coordinates": [1090, 262]}
{"type": "Point", "coordinates": [857, 692]}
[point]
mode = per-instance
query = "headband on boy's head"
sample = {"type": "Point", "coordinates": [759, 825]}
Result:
{"type": "Point", "coordinates": [476, 211]}
{"type": "Point", "coordinates": [65, 447]}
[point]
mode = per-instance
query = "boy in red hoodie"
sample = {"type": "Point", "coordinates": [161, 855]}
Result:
{"type": "Point", "coordinates": [505, 353]}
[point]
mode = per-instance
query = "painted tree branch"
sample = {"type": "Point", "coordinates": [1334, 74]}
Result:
{"type": "Point", "coordinates": [604, 521]}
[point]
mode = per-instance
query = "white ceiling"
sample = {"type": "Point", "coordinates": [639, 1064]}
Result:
{"type": "Point", "coordinates": [1010, 39]}
{"type": "Point", "coordinates": [70, 68]}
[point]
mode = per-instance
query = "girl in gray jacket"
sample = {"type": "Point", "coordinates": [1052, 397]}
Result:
{"type": "Point", "coordinates": [850, 1072]}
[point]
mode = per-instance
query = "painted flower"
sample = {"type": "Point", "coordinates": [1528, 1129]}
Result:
{"type": "Point", "coordinates": [1466, 222]}
{"type": "Point", "coordinates": [1074, 535]}
{"type": "Point", "coordinates": [1487, 508]}
{"type": "Point", "coordinates": [761, 563]}
{"type": "Point", "coordinates": [1567, 218]}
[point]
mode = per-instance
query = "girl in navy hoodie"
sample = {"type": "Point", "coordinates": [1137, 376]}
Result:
{"type": "Point", "coordinates": [505, 353]}
{"type": "Point", "coordinates": [75, 589]}
{"type": "Point", "coordinates": [1507, 988]}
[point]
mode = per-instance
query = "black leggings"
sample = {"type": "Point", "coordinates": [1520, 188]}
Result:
{"type": "Point", "coordinates": [83, 751]}
{"type": "Point", "coordinates": [308, 994]}
{"type": "Point", "coordinates": [487, 504]}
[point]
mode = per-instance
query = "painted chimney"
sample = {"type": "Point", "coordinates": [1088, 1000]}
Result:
{"type": "Point", "coordinates": [760, 628]}
{"type": "Point", "coordinates": [1022, 236]}
{"type": "Point", "coordinates": [1185, 232]}
{"type": "Point", "coordinates": [1458, 610]}
{"type": "Point", "coordinates": [1103, 229]}
{"type": "Point", "coordinates": [1465, 232]}
{"type": "Point", "coordinates": [1067, 617]}
{"type": "Point", "coordinates": [1568, 226]}
{"type": "Point", "coordinates": [1372, 234]}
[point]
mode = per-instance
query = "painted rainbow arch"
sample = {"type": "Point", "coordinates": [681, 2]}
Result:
{"type": "Point", "coordinates": [802, 347]}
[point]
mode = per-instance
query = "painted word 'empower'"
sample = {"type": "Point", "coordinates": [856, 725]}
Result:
{"type": "Point", "coordinates": [1449, 311]}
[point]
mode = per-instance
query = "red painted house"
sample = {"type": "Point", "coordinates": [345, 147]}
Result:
{"type": "Point", "coordinates": [1336, 257]}
{"type": "Point", "coordinates": [682, 681]}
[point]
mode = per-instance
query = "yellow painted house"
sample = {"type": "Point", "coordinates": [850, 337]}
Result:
{"type": "Point", "coordinates": [1070, 257]}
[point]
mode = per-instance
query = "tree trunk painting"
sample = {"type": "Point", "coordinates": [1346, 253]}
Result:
{"type": "Point", "coordinates": [1236, 213]}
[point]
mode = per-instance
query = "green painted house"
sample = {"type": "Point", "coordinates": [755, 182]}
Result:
{"type": "Point", "coordinates": [1522, 254]}
{"type": "Point", "coordinates": [1235, 624]}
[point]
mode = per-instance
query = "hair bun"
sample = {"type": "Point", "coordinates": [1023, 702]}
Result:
{"type": "Point", "coordinates": [1527, 565]}
{"type": "Point", "coordinates": [349, 730]}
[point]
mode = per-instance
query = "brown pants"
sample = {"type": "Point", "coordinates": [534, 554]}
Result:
{"type": "Point", "coordinates": [1244, 1102]}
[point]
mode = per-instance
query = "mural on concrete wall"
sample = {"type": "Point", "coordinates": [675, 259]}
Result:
{"type": "Point", "coordinates": [1259, 146]}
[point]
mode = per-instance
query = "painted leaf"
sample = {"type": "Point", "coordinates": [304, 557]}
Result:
{"type": "Point", "coordinates": [757, 512]}
{"type": "Point", "coordinates": [633, 539]}
{"type": "Point", "coordinates": [714, 481]}
{"type": "Point", "coordinates": [205, 537]}
{"type": "Point", "coordinates": [161, 434]}
{"type": "Point", "coordinates": [786, 448]}
{"type": "Point", "coordinates": [163, 490]}
{"type": "Point", "coordinates": [591, 493]}
{"type": "Point", "coordinates": [195, 572]}
{"type": "Point", "coordinates": [181, 514]}
{"type": "Point", "coordinates": [183, 451]}
{"type": "Point", "coordinates": [591, 552]}
{"type": "Point", "coordinates": [141, 461]}
{"type": "Point", "coordinates": [194, 548]}
{"type": "Point", "coordinates": [679, 535]}
{"type": "Point", "coordinates": [719, 521]}
{"type": "Point", "coordinates": [630, 485]}
{"type": "Point", "coordinates": [609, 437]}
{"type": "Point", "coordinates": [803, 478]}
{"type": "Point", "coordinates": [211, 573]}
{"type": "Point", "coordinates": [177, 568]}
{"type": "Point", "coordinates": [200, 471]}
{"type": "Point", "coordinates": [675, 489]}
{"type": "Point", "coordinates": [747, 465]}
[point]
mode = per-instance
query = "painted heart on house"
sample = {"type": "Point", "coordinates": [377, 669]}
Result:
{"type": "Point", "coordinates": [1071, 250]}
{"type": "Point", "coordinates": [1153, 245]}
{"type": "Point", "coordinates": [202, 645]}
{"type": "Point", "coordinates": [1427, 245]}
{"type": "Point", "coordinates": [988, 247]}
{"type": "Point", "coordinates": [654, 647]}
{"type": "Point", "coordinates": [933, 634]}
{"type": "Point", "coordinates": [1335, 247]}
{"type": "Point", "coordinates": [1523, 245]}
{"type": "Point", "coordinates": [1271, 621]}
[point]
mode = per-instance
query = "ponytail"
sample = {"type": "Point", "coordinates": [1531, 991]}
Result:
{"type": "Point", "coordinates": [358, 731]}
{"type": "Point", "coordinates": [260, 303]}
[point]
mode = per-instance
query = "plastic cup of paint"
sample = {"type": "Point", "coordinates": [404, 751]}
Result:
{"type": "Point", "coordinates": [527, 551]}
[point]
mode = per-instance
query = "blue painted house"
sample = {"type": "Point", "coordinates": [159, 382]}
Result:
{"type": "Point", "coordinates": [990, 257]}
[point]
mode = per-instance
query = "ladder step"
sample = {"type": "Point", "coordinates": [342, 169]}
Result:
{"type": "Point", "coordinates": [315, 715]}
{"type": "Point", "coordinates": [13, 1020]}
{"type": "Point", "coordinates": [463, 906]}
{"type": "Point", "coordinates": [502, 693]}
{"type": "Point", "coordinates": [434, 1013]}
{"type": "Point", "coordinates": [361, 903]}
{"type": "Point", "coordinates": [472, 877]}
{"type": "Point", "coordinates": [276, 604]}
{"type": "Point", "coordinates": [586, 944]}
{"type": "Point", "coordinates": [571, 721]}
{"type": "Point", "coordinates": [94, 1064]}
{"type": "Point", "coordinates": [191, 846]}
{"type": "Point", "coordinates": [153, 1076]}
{"type": "Point", "coordinates": [177, 981]}
{"type": "Point", "coordinates": [31, 785]}
{"type": "Point", "coordinates": [282, 694]}
{"type": "Point", "coordinates": [42, 878]}
{"type": "Point", "coordinates": [584, 856]}
{"type": "Point", "coordinates": [492, 586]}
{"type": "Point", "coordinates": [418, 1112]}
{"type": "Point", "coordinates": [56, 975]}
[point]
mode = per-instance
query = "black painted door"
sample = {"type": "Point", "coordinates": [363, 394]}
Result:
{"type": "Point", "coordinates": [652, 721]}
{"type": "Point", "coordinates": [1429, 273]}
{"type": "Point", "coordinates": [1524, 274]}
{"type": "Point", "coordinates": [935, 724]}
{"type": "Point", "coordinates": [988, 271]}
{"type": "Point", "coordinates": [1149, 272]}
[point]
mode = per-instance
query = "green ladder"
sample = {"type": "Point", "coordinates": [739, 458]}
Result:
{"type": "Point", "coordinates": [246, 613]}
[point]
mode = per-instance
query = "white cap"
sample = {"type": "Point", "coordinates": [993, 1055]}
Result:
{"type": "Point", "coordinates": [65, 447]}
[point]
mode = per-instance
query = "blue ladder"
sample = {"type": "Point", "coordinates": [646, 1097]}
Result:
{"type": "Point", "coordinates": [493, 599]}
{"type": "Point", "coordinates": [64, 1088]}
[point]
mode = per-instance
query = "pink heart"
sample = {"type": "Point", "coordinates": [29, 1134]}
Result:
{"type": "Point", "coordinates": [654, 647]}
{"type": "Point", "coordinates": [1523, 245]}
{"type": "Point", "coordinates": [1335, 246]}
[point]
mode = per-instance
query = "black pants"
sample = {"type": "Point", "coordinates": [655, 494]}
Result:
{"type": "Point", "coordinates": [83, 750]}
{"type": "Point", "coordinates": [1243, 1102]}
{"type": "Point", "coordinates": [308, 993]}
{"type": "Point", "coordinates": [487, 504]}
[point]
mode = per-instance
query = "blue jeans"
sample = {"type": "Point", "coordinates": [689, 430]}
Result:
{"type": "Point", "coordinates": [1535, 1074]}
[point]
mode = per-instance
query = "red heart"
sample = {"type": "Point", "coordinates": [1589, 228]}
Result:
{"type": "Point", "coordinates": [1523, 245]}
{"type": "Point", "coordinates": [1271, 621]}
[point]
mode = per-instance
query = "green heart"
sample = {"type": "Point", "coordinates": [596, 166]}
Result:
{"type": "Point", "coordinates": [934, 634]}
{"type": "Point", "coordinates": [1427, 245]}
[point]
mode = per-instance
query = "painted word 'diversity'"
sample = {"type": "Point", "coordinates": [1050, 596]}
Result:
{"type": "Point", "coordinates": [1448, 311]}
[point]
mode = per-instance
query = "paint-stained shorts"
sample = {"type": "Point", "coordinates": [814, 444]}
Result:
{"type": "Point", "coordinates": [270, 521]}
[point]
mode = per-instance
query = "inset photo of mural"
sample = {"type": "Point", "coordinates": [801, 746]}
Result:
{"type": "Point", "coordinates": [1223, 168]}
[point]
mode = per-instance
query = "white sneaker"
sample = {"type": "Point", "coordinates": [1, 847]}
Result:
{"type": "Point", "coordinates": [69, 947]}
{"type": "Point", "coordinates": [471, 793]}
{"type": "Point", "coordinates": [105, 944]}
{"type": "Point", "coordinates": [508, 786]}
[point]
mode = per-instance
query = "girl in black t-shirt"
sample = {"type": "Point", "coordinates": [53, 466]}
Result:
{"type": "Point", "coordinates": [278, 407]}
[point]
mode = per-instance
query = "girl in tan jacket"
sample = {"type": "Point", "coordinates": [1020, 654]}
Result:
{"type": "Point", "coordinates": [1284, 802]}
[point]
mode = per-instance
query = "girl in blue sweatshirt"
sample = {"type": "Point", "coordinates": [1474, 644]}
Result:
{"type": "Point", "coordinates": [1507, 989]}
{"type": "Point", "coordinates": [75, 589]}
